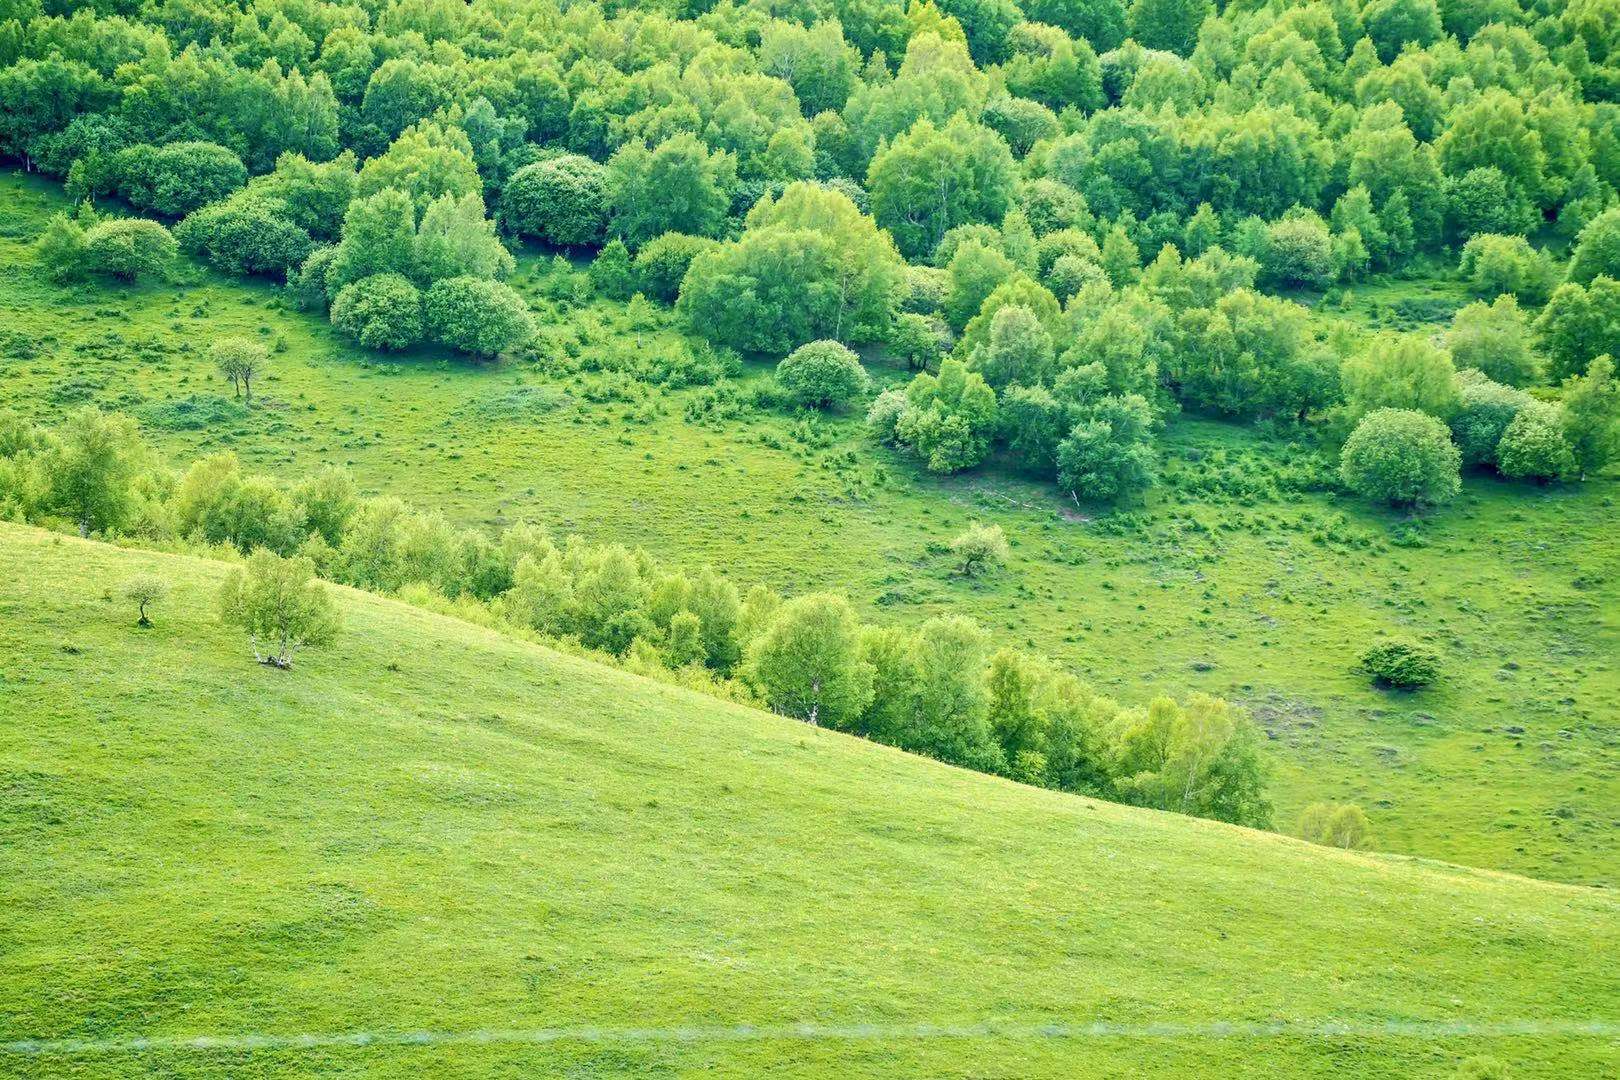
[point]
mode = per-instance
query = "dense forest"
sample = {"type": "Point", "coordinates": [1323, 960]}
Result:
{"type": "Point", "coordinates": [1076, 220]}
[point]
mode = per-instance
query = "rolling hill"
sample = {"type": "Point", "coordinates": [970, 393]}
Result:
{"type": "Point", "coordinates": [431, 850]}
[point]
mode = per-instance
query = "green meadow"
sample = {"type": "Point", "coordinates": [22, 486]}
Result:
{"type": "Point", "coordinates": [565, 870]}
{"type": "Point", "coordinates": [1237, 576]}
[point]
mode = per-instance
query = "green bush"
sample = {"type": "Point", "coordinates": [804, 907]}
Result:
{"type": "Point", "coordinates": [383, 311]}
{"type": "Point", "coordinates": [1401, 665]}
{"type": "Point", "coordinates": [1402, 457]}
{"type": "Point", "coordinates": [475, 316]}
{"type": "Point", "coordinates": [822, 375]}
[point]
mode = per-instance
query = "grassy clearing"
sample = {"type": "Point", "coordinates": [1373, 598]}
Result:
{"type": "Point", "coordinates": [433, 827]}
{"type": "Point", "coordinates": [1221, 583]}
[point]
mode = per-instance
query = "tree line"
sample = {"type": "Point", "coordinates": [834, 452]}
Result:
{"type": "Point", "coordinates": [943, 688]}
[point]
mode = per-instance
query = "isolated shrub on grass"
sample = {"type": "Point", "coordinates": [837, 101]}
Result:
{"type": "Point", "coordinates": [1402, 457]}
{"type": "Point", "coordinates": [280, 605]}
{"type": "Point", "coordinates": [144, 592]}
{"type": "Point", "coordinates": [1335, 825]}
{"type": "Point", "coordinates": [383, 311]}
{"type": "Point", "coordinates": [979, 548]}
{"type": "Point", "coordinates": [1401, 665]}
{"type": "Point", "coordinates": [475, 316]}
{"type": "Point", "coordinates": [129, 248]}
{"type": "Point", "coordinates": [822, 375]}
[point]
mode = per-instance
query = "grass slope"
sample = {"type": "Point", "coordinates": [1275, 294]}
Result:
{"type": "Point", "coordinates": [1513, 762]}
{"type": "Point", "coordinates": [433, 827]}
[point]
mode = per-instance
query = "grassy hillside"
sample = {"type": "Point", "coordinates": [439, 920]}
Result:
{"type": "Point", "coordinates": [430, 827]}
{"type": "Point", "coordinates": [1220, 584]}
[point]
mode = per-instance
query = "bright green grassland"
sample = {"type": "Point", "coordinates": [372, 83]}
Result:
{"type": "Point", "coordinates": [430, 826]}
{"type": "Point", "coordinates": [1262, 597]}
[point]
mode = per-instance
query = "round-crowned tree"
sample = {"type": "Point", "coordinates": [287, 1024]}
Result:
{"type": "Point", "coordinates": [129, 248]}
{"type": "Point", "coordinates": [1402, 457]}
{"type": "Point", "coordinates": [476, 316]}
{"type": "Point", "coordinates": [563, 200]}
{"type": "Point", "coordinates": [383, 311]}
{"type": "Point", "coordinates": [822, 375]}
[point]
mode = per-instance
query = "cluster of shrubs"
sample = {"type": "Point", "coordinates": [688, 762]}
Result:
{"type": "Point", "coordinates": [942, 688]}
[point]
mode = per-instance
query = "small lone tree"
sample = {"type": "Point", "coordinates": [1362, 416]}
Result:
{"type": "Point", "coordinates": [980, 548]}
{"type": "Point", "coordinates": [143, 592]}
{"type": "Point", "coordinates": [240, 359]}
{"type": "Point", "coordinates": [1401, 665]}
{"type": "Point", "coordinates": [280, 605]}
{"type": "Point", "coordinates": [1334, 824]}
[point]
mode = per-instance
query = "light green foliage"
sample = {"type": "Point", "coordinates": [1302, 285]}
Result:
{"type": "Point", "coordinates": [1401, 664]}
{"type": "Point", "coordinates": [1597, 252]}
{"type": "Point", "coordinates": [1402, 457]}
{"type": "Point", "coordinates": [145, 591]}
{"type": "Point", "coordinates": [381, 311]}
{"type": "Point", "coordinates": [1579, 323]}
{"type": "Point", "coordinates": [454, 239]}
{"type": "Point", "coordinates": [1494, 339]}
{"type": "Point", "coordinates": [822, 375]}
{"type": "Point", "coordinates": [1591, 416]}
{"type": "Point", "coordinates": [427, 161]}
{"type": "Point", "coordinates": [1200, 758]}
{"type": "Point", "coordinates": [1019, 350]}
{"type": "Point", "coordinates": [1400, 372]}
{"type": "Point", "coordinates": [379, 237]}
{"type": "Point", "coordinates": [930, 179]}
{"type": "Point", "coordinates": [1533, 445]}
{"type": "Point", "coordinates": [980, 548]}
{"type": "Point", "coordinates": [809, 266]}
{"type": "Point", "coordinates": [973, 273]}
{"type": "Point", "coordinates": [129, 248]}
{"type": "Point", "coordinates": [240, 360]}
{"type": "Point", "coordinates": [1253, 355]}
{"type": "Point", "coordinates": [948, 419]}
{"type": "Point", "coordinates": [62, 249]}
{"type": "Point", "coordinates": [90, 467]}
{"type": "Point", "coordinates": [807, 662]}
{"type": "Point", "coordinates": [678, 187]}
{"type": "Point", "coordinates": [1507, 264]}
{"type": "Point", "coordinates": [280, 606]}
{"type": "Point", "coordinates": [1336, 825]}
{"type": "Point", "coordinates": [1299, 251]}
{"type": "Point", "coordinates": [471, 315]}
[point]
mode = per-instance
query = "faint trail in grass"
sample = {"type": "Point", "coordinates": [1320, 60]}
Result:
{"type": "Point", "coordinates": [1271, 1029]}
